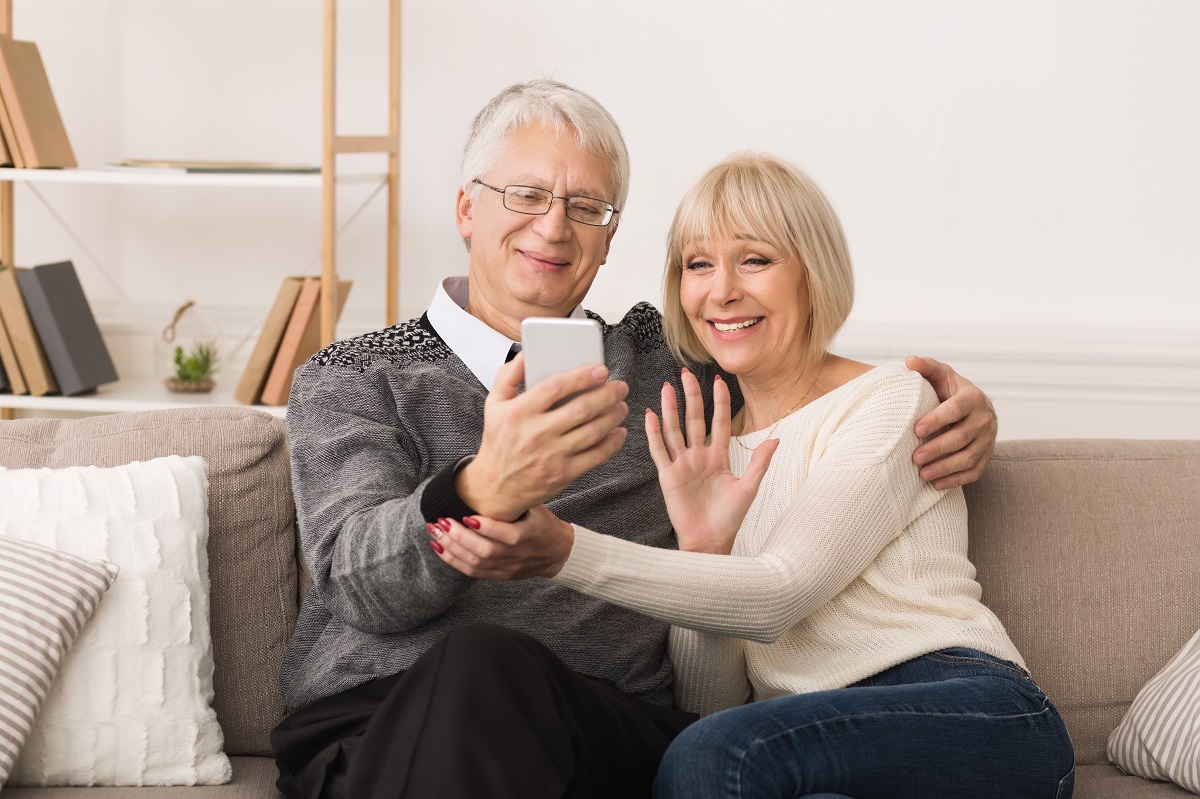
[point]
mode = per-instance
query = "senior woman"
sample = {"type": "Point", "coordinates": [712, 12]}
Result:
{"type": "Point", "coordinates": [828, 622]}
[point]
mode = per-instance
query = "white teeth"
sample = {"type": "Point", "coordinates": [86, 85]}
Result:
{"type": "Point", "coordinates": [725, 328]}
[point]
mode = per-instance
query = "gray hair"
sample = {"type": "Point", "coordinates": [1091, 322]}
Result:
{"type": "Point", "coordinates": [556, 105]}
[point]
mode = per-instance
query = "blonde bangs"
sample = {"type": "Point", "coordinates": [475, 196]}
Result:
{"type": "Point", "coordinates": [735, 202]}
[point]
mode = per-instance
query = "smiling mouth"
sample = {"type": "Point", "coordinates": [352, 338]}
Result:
{"type": "Point", "coordinates": [551, 262]}
{"type": "Point", "coordinates": [731, 326]}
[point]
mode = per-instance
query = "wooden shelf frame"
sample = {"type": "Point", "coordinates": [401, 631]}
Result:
{"type": "Point", "coordinates": [334, 144]}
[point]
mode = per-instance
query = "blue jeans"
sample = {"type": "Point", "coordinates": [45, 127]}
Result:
{"type": "Point", "coordinates": [953, 723]}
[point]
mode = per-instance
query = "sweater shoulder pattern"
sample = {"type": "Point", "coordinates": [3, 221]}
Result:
{"type": "Point", "coordinates": [642, 325]}
{"type": "Point", "coordinates": [401, 344]}
{"type": "Point", "coordinates": [416, 341]}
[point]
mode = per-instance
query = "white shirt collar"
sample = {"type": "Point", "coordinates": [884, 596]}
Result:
{"type": "Point", "coordinates": [477, 345]}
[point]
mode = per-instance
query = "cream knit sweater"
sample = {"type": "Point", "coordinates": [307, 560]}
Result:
{"type": "Point", "coordinates": [846, 564]}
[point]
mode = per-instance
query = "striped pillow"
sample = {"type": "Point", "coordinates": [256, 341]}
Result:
{"type": "Point", "coordinates": [1159, 738]}
{"type": "Point", "coordinates": [45, 598]}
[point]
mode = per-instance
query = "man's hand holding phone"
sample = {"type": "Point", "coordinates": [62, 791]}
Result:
{"type": "Point", "coordinates": [535, 444]}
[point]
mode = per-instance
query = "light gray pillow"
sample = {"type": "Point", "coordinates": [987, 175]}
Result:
{"type": "Point", "coordinates": [1159, 738]}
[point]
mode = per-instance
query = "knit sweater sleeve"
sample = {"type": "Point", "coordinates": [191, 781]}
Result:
{"type": "Point", "coordinates": [858, 496]}
{"type": "Point", "coordinates": [710, 671]}
{"type": "Point", "coordinates": [358, 472]}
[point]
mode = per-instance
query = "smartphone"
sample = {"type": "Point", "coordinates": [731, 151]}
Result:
{"type": "Point", "coordinates": [552, 345]}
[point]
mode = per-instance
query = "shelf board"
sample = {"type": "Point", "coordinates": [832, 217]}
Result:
{"type": "Point", "coordinates": [131, 395]}
{"type": "Point", "coordinates": [147, 177]}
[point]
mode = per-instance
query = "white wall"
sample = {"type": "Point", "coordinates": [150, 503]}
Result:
{"type": "Point", "coordinates": [1019, 181]}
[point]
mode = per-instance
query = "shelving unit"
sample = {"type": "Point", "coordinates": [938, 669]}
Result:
{"type": "Point", "coordinates": [136, 395]}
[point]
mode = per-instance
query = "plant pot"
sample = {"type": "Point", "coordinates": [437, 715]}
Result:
{"type": "Point", "coordinates": [189, 386]}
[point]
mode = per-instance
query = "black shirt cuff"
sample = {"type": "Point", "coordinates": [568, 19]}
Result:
{"type": "Point", "coordinates": [440, 499]}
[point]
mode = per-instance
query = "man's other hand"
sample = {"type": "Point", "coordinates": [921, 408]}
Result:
{"type": "Point", "coordinates": [963, 427]}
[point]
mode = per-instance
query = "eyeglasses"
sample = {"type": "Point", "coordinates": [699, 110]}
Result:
{"type": "Point", "coordinates": [535, 201]}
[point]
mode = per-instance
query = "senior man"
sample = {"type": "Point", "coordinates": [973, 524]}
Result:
{"type": "Point", "coordinates": [406, 678]}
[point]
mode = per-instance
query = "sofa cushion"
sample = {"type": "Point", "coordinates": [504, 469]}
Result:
{"type": "Point", "coordinates": [132, 702]}
{"type": "Point", "coordinates": [46, 596]}
{"type": "Point", "coordinates": [1107, 782]}
{"type": "Point", "coordinates": [253, 778]}
{"type": "Point", "coordinates": [1086, 550]}
{"type": "Point", "coordinates": [251, 548]}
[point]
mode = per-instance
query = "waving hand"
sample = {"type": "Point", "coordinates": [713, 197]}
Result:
{"type": "Point", "coordinates": [705, 501]}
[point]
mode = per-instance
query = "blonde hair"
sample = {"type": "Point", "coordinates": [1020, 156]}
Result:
{"type": "Point", "coordinates": [772, 200]}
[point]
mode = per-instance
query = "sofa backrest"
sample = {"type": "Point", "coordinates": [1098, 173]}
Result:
{"type": "Point", "coordinates": [252, 534]}
{"type": "Point", "coordinates": [1089, 552]}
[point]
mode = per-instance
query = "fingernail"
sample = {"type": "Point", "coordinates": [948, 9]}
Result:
{"type": "Point", "coordinates": [434, 530]}
{"type": "Point", "coordinates": [599, 373]}
{"type": "Point", "coordinates": [921, 430]}
{"type": "Point", "coordinates": [444, 524]}
{"type": "Point", "coordinates": [436, 547]}
{"type": "Point", "coordinates": [472, 522]}
{"type": "Point", "coordinates": [717, 379]}
{"type": "Point", "coordinates": [920, 458]}
{"type": "Point", "coordinates": [683, 370]}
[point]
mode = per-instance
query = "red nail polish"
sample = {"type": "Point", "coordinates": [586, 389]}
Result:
{"type": "Point", "coordinates": [436, 547]}
{"type": "Point", "coordinates": [444, 524]}
{"type": "Point", "coordinates": [432, 528]}
{"type": "Point", "coordinates": [472, 522]}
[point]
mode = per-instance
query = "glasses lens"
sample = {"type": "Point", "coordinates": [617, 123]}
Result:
{"type": "Point", "coordinates": [532, 200]}
{"type": "Point", "coordinates": [527, 199]}
{"type": "Point", "coordinates": [588, 211]}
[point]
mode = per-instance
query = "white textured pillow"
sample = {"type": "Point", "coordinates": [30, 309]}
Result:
{"type": "Point", "coordinates": [45, 598]}
{"type": "Point", "coordinates": [132, 704]}
{"type": "Point", "coordinates": [1159, 738]}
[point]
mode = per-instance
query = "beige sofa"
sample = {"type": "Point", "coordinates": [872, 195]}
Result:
{"type": "Point", "coordinates": [1088, 550]}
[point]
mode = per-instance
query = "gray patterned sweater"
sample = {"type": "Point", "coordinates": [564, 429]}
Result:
{"type": "Point", "coordinates": [376, 424]}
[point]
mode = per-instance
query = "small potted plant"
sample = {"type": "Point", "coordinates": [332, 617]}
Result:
{"type": "Point", "coordinates": [194, 368]}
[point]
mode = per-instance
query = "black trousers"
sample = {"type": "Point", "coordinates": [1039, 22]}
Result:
{"type": "Point", "coordinates": [486, 713]}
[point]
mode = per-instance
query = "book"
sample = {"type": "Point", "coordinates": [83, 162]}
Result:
{"type": "Point", "coordinates": [30, 356]}
{"type": "Point", "coordinates": [12, 154]}
{"type": "Point", "coordinates": [8, 359]}
{"type": "Point", "coordinates": [65, 326]}
{"type": "Point", "coordinates": [6, 158]}
{"type": "Point", "coordinates": [200, 167]}
{"type": "Point", "coordinates": [38, 133]}
{"type": "Point", "coordinates": [301, 339]}
{"type": "Point", "coordinates": [254, 376]}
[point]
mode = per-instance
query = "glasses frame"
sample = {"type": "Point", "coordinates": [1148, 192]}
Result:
{"type": "Point", "coordinates": [503, 192]}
